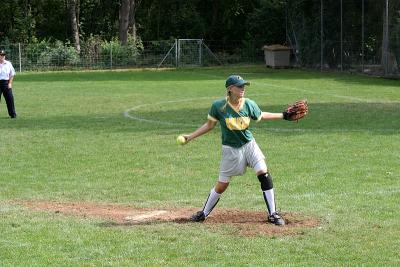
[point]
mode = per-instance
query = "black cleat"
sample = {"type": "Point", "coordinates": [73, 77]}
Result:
{"type": "Point", "coordinates": [276, 219]}
{"type": "Point", "coordinates": [198, 217]}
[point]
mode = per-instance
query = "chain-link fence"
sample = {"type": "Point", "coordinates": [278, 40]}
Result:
{"type": "Point", "coordinates": [354, 36]}
{"type": "Point", "coordinates": [336, 55]}
{"type": "Point", "coordinates": [360, 36]}
{"type": "Point", "coordinates": [152, 54]}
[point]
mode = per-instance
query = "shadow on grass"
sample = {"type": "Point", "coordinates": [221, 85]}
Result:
{"type": "Point", "coordinates": [379, 118]}
{"type": "Point", "coordinates": [95, 124]}
{"type": "Point", "coordinates": [132, 75]}
{"type": "Point", "coordinates": [345, 78]}
{"type": "Point", "coordinates": [252, 73]}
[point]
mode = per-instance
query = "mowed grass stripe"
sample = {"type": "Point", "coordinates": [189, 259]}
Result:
{"type": "Point", "coordinates": [72, 143]}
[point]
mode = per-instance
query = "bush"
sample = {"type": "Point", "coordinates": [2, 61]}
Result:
{"type": "Point", "coordinates": [35, 49]}
{"type": "Point", "coordinates": [91, 51]}
{"type": "Point", "coordinates": [59, 55]}
{"type": "Point", "coordinates": [122, 55]}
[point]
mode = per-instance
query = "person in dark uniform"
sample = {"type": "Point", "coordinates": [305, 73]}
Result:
{"type": "Point", "coordinates": [7, 74]}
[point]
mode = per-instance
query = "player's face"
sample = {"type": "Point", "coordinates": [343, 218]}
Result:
{"type": "Point", "coordinates": [238, 91]}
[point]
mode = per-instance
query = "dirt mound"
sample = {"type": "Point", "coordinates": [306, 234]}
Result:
{"type": "Point", "coordinates": [248, 223]}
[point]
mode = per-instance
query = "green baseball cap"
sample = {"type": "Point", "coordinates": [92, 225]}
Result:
{"type": "Point", "coordinates": [235, 80]}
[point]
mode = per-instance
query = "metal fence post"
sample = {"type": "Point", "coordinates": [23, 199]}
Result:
{"type": "Point", "coordinates": [200, 50]}
{"type": "Point", "coordinates": [341, 35]}
{"type": "Point", "coordinates": [385, 46]}
{"type": "Point", "coordinates": [362, 38]}
{"type": "Point", "coordinates": [19, 57]}
{"type": "Point", "coordinates": [111, 58]}
{"type": "Point", "coordinates": [176, 52]}
{"type": "Point", "coordinates": [322, 34]}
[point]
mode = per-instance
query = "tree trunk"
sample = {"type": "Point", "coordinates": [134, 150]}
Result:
{"type": "Point", "coordinates": [215, 19]}
{"type": "Point", "coordinates": [74, 16]}
{"type": "Point", "coordinates": [127, 19]}
{"type": "Point", "coordinates": [124, 15]}
{"type": "Point", "coordinates": [132, 20]}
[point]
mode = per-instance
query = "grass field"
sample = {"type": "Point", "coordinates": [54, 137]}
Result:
{"type": "Point", "coordinates": [109, 138]}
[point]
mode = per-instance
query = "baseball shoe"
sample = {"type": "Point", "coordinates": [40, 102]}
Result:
{"type": "Point", "coordinates": [198, 217]}
{"type": "Point", "coordinates": [276, 219]}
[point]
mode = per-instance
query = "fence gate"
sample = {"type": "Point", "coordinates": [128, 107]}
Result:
{"type": "Point", "coordinates": [190, 53]}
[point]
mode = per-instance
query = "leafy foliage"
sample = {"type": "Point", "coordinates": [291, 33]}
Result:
{"type": "Point", "coordinates": [294, 22]}
{"type": "Point", "coordinates": [126, 54]}
{"type": "Point", "coordinates": [59, 54]}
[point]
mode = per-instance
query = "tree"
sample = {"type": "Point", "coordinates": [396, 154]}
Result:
{"type": "Point", "coordinates": [74, 16]}
{"type": "Point", "coordinates": [127, 19]}
{"type": "Point", "coordinates": [132, 17]}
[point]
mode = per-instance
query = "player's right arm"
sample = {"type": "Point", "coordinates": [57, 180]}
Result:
{"type": "Point", "coordinates": [205, 128]}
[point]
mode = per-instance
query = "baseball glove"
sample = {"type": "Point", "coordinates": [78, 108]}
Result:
{"type": "Point", "coordinates": [296, 111]}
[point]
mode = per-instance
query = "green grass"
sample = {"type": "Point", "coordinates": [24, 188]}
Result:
{"type": "Point", "coordinates": [72, 142]}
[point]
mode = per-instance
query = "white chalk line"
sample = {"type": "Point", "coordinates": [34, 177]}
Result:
{"type": "Point", "coordinates": [143, 217]}
{"type": "Point", "coordinates": [127, 114]}
{"type": "Point", "coordinates": [352, 98]}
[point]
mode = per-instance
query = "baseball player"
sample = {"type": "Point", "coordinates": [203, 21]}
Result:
{"type": "Point", "coordinates": [7, 74]}
{"type": "Point", "coordinates": [239, 148]}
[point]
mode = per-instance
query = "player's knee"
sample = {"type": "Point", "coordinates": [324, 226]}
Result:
{"type": "Point", "coordinates": [220, 187]}
{"type": "Point", "coordinates": [266, 181]}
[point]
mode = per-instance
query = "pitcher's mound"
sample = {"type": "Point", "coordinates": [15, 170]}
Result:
{"type": "Point", "coordinates": [248, 223]}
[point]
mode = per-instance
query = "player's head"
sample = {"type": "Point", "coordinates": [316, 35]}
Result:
{"type": "Point", "coordinates": [2, 54]}
{"type": "Point", "coordinates": [234, 88]}
{"type": "Point", "coordinates": [235, 83]}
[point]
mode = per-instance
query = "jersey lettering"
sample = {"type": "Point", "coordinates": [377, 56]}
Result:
{"type": "Point", "coordinates": [240, 123]}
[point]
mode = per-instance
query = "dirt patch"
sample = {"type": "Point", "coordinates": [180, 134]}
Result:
{"type": "Point", "coordinates": [248, 223]}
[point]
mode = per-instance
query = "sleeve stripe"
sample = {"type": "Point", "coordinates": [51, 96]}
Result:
{"type": "Point", "coordinates": [211, 118]}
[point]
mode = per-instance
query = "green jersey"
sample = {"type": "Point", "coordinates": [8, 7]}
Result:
{"type": "Point", "coordinates": [235, 122]}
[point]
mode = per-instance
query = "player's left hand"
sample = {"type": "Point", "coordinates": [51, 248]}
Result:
{"type": "Point", "coordinates": [296, 111]}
